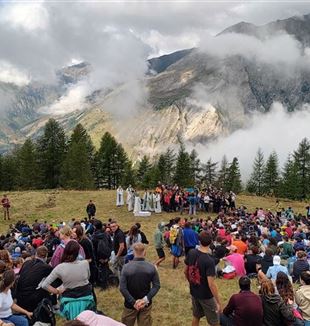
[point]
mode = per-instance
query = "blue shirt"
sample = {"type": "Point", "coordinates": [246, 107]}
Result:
{"type": "Point", "coordinates": [274, 270]}
{"type": "Point", "coordinates": [190, 238]}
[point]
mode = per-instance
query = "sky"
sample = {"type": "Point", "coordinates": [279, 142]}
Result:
{"type": "Point", "coordinates": [117, 37]}
{"type": "Point", "coordinates": [39, 37]}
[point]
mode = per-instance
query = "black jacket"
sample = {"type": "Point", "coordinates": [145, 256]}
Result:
{"type": "Point", "coordinates": [31, 274]}
{"type": "Point", "coordinates": [97, 236]}
{"type": "Point", "coordinates": [266, 262]}
{"type": "Point", "coordinates": [276, 312]}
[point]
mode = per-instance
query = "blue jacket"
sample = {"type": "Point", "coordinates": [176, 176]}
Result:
{"type": "Point", "coordinates": [190, 238]}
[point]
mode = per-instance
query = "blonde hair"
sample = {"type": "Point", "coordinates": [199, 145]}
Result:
{"type": "Point", "coordinates": [66, 231]}
{"type": "Point", "coordinates": [138, 248]}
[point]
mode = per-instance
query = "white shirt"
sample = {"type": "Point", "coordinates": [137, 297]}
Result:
{"type": "Point", "coordinates": [6, 303]}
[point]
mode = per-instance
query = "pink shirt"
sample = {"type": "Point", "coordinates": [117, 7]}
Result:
{"type": "Point", "coordinates": [92, 319]}
{"type": "Point", "coordinates": [237, 261]}
{"type": "Point", "coordinates": [56, 259]}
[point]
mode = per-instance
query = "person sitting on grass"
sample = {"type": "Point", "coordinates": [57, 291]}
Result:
{"type": "Point", "coordinates": [243, 306]}
{"type": "Point", "coordinates": [302, 297]}
{"type": "Point", "coordinates": [7, 304]}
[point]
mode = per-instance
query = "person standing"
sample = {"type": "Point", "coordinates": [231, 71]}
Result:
{"type": "Point", "coordinates": [139, 284]}
{"type": "Point", "coordinates": [203, 289]}
{"type": "Point", "coordinates": [159, 243]}
{"type": "Point", "coordinates": [6, 207]}
{"type": "Point", "coordinates": [190, 238]}
{"type": "Point", "coordinates": [130, 198]}
{"type": "Point", "coordinates": [119, 197]}
{"type": "Point", "coordinates": [91, 209]}
{"type": "Point", "coordinates": [119, 248]}
{"type": "Point", "coordinates": [157, 199]}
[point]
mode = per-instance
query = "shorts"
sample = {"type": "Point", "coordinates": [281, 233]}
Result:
{"type": "Point", "coordinates": [160, 253]}
{"type": "Point", "coordinates": [207, 308]}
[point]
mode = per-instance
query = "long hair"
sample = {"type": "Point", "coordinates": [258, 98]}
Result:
{"type": "Point", "coordinates": [71, 252]}
{"type": "Point", "coordinates": [267, 287]}
{"type": "Point", "coordinates": [284, 287]}
{"type": "Point", "coordinates": [133, 234]}
{"type": "Point", "coordinates": [8, 279]}
{"type": "Point", "coordinates": [79, 231]}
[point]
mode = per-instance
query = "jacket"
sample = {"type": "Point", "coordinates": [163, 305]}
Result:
{"type": "Point", "coordinates": [70, 308]}
{"type": "Point", "coordinates": [276, 312]}
{"type": "Point", "coordinates": [31, 274]}
{"type": "Point", "coordinates": [302, 297]}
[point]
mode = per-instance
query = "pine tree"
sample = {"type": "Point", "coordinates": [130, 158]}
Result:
{"type": "Point", "coordinates": [183, 176]}
{"type": "Point", "coordinates": [233, 181]}
{"type": "Point", "coordinates": [288, 186]}
{"type": "Point", "coordinates": [195, 167]}
{"type": "Point", "coordinates": [271, 174]}
{"type": "Point", "coordinates": [170, 159]}
{"type": "Point", "coordinates": [161, 171]}
{"type": "Point", "coordinates": [76, 171]}
{"type": "Point", "coordinates": [143, 173]}
{"type": "Point", "coordinates": [28, 171]}
{"type": "Point", "coordinates": [302, 160]}
{"type": "Point", "coordinates": [9, 171]}
{"type": "Point", "coordinates": [111, 163]}
{"type": "Point", "coordinates": [223, 174]}
{"type": "Point", "coordinates": [210, 173]}
{"type": "Point", "coordinates": [256, 181]}
{"type": "Point", "coordinates": [52, 149]}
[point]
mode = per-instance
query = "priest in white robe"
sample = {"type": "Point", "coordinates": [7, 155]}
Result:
{"type": "Point", "coordinates": [137, 206]}
{"type": "Point", "coordinates": [130, 198]}
{"type": "Point", "coordinates": [119, 197]}
{"type": "Point", "coordinates": [157, 203]}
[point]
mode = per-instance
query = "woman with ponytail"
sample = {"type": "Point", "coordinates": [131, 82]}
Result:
{"type": "Point", "coordinates": [7, 304]}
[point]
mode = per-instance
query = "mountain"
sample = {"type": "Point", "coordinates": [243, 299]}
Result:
{"type": "Point", "coordinates": [191, 96]}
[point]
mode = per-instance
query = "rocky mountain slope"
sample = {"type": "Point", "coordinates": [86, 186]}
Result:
{"type": "Point", "coordinates": [191, 96]}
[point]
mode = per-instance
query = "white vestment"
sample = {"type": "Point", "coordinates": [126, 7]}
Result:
{"type": "Point", "coordinates": [130, 199]}
{"type": "Point", "coordinates": [157, 204]}
{"type": "Point", "coordinates": [119, 197]}
{"type": "Point", "coordinates": [146, 206]}
{"type": "Point", "coordinates": [137, 207]}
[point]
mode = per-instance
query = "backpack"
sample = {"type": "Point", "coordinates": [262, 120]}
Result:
{"type": "Point", "coordinates": [103, 249]}
{"type": "Point", "coordinates": [193, 272]}
{"type": "Point", "coordinates": [174, 232]}
{"type": "Point", "coordinates": [44, 313]}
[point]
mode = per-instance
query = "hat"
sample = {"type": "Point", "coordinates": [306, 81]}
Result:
{"type": "Point", "coordinates": [276, 260]}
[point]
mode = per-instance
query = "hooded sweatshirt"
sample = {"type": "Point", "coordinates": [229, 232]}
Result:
{"type": "Point", "coordinates": [303, 300]}
{"type": "Point", "coordinates": [276, 312]}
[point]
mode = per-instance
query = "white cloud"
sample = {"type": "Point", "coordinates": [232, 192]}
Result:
{"type": "Point", "coordinates": [277, 130]}
{"type": "Point", "coordinates": [277, 49]}
{"type": "Point", "coordinates": [28, 16]}
{"type": "Point", "coordinates": [73, 100]}
{"type": "Point", "coordinates": [10, 74]}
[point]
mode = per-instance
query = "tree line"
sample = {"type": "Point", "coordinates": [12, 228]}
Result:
{"type": "Point", "coordinates": [55, 161]}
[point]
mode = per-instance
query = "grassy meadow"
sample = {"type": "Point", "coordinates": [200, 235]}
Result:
{"type": "Point", "coordinates": [172, 305]}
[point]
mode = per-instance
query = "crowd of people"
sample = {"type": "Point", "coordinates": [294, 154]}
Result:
{"type": "Point", "coordinates": [60, 265]}
{"type": "Point", "coordinates": [175, 199]}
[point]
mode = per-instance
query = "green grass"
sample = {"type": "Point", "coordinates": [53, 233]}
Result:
{"type": "Point", "coordinates": [172, 306]}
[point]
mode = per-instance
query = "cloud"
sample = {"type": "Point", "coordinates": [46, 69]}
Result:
{"type": "Point", "coordinates": [276, 50]}
{"type": "Point", "coordinates": [277, 130]}
{"type": "Point", "coordinates": [72, 100]}
{"type": "Point", "coordinates": [27, 16]}
{"type": "Point", "coordinates": [10, 74]}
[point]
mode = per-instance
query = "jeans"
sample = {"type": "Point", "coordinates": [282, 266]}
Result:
{"type": "Point", "coordinates": [17, 320]}
{"type": "Point", "coordinates": [226, 321]}
{"type": "Point", "coordinates": [307, 322]}
{"type": "Point", "coordinates": [192, 209]}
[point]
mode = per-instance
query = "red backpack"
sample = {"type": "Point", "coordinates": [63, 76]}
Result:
{"type": "Point", "coordinates": [193, 272]}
